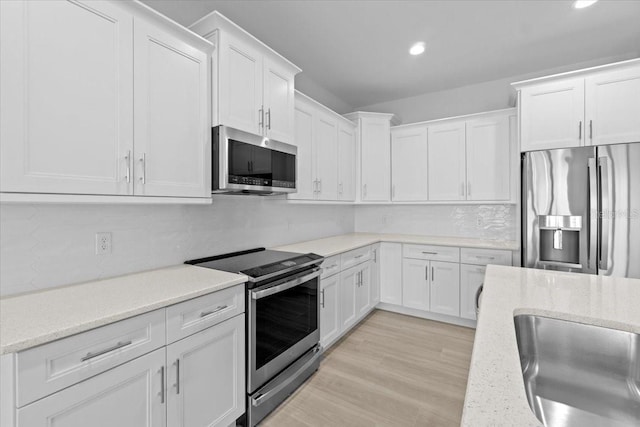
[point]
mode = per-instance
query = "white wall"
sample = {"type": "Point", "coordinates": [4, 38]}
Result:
{"type": "Point", "coordinates": [309, 87]}
{"type": "Point", "coordinates": [497, 222]}
{"type": "Point", "coordinates": [475, 98]}
{"type": "Point", "coordinates": [44, 246]}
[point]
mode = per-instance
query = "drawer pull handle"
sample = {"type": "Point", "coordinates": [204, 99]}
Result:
{"type": "Point", "coordinates": [162, 384]}
{"type": "Point", "coordinates": [209, 313]}
{"type": "Point", "coordinates": [485, 257]}
{"type": "Point", "coordinates": [359, 256]}
{"type": "Point", "coordinates": [119, 345]}
{"type": "Point", "coordinates": [177, 363]}
{"type": "Point", "coordinates": [429, 253]}
{"type": "Point", "coordinates": [331, 267]}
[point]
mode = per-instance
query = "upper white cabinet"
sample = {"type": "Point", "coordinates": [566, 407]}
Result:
{"type": "Point", "coordinates": [92, 106]}
{"type": "Point", "coordinates": [600, 105]}
{"type": "Point", "coordinates": [374, 143]}
{"type": "Point", "coordinates": [446, 165]}
{"type": "Point", "coordinates": [253, 86]}
{"type": "Point", "coordinates": [326, 153]}
{"type": "Point", "coordinates": [409, 157]}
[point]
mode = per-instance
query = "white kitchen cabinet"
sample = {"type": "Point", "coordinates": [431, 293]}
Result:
{"type": "Point", "coordinates": [305, 179]}
{"type": "Point", "coordinates": [326, 155]}
{"type": "Point", "coordinates": [329, 309]}
{"type": "Point", "coordinates": [172, 149]}
{"type": "Point", "coordinates": [375, 274]}
{"type": "Point", "coordinates": [488, 158]}
{"type": "Point", "coordinates": [409, 154]}
{"type": "Point", "coordinates": [253, 86]}
{"type": "Point", "coordinates": [130, 395]}
{"type": "Point", "coordinates": [415, 283]}
{"type": "Point", "coordinates": [471, 278]}
{"type": "Point", "coordinates": [349, 280]}
{"type": "Point", "coordinates": [444, 290]}
{"type": "Point", "coordinates": [66, 95]}
{"type": "Point", "coordinates": [612, 106]}
{"type": "Point", "coordinates": [206, 376]}
{"type": "Point", "coordinates": [391, 273]}
{"type": "Point", "coordinates": [446, 165]}
{"type": "Point", "coordinates": [346, 162]}
{"type": "Point", "coordinates": [363, 290]}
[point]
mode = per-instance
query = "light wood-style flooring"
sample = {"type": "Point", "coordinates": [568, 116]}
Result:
{"type": "Point", "coordinates": [391, 370]}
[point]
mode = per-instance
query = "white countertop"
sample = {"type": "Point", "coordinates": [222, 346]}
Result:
{"type": "Point", "coordinates": [36, 318]}
{"type": "Point", "coordinates": [495, 389]}
{"type": "Point", "coordinates": [334, 245]}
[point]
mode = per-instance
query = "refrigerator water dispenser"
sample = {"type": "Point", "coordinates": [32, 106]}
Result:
{"type": "Point", "coordinates": [560, 239]}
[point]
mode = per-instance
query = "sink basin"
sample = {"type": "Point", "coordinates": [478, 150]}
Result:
{"type": "Point", "coordinates": [579, 375]}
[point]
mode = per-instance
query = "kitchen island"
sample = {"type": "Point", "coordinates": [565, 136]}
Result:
{"type": "Point", "coordinates": [495, 390]}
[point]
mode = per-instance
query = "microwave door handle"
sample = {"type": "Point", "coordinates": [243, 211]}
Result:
{"type": "Point", "coordinates": [592, 218]}
{"type": "Point", "coordinates": [287, 285]}
{"type": "Point", "coordinates": [604, 212]}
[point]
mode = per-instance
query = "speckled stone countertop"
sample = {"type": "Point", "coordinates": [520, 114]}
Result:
{"type": "Point", "coordinates": [495, 389]}
{"type": "Point", "coordinates": [334, 245]}
{"type": "Point", "coordinates": [36, 318]}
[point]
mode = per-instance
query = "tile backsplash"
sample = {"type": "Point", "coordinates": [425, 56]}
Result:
{"type": "Point", "coordinates": [479, 221]}
{"type": "Point", "coordinates": [43, 246]}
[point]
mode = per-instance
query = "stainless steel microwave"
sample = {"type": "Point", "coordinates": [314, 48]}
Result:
{"type": "Point", "coordinates": [244, 163]}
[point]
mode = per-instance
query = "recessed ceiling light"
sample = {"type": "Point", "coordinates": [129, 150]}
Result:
{"type": "Point", "coordinates": [581, 4]}
{"type": "Point", "coordinates": [417, 48]}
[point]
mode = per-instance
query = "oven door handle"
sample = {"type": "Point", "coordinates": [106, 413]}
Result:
{"type": "Point", "coordinates": [287, 285]}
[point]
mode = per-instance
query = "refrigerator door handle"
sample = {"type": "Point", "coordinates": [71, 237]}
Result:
{"type": "Point", "coordinates": [604, 220]}
{"type": "Point", "coordinates": [592, 239]}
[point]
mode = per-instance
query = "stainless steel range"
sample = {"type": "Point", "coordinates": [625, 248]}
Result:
{"type": "Point", "coordinates": [282, 322]}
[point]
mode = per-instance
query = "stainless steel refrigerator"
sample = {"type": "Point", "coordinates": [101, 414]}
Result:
{"type": "Point", "coordinates": [581, 210]}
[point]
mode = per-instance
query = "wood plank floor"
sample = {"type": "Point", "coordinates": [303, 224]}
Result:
{"type": "Point", "coordinates": [391, 370]}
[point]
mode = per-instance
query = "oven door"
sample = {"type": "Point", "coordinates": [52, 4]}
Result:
{"type": "Point", "coordinates": [282, 324]}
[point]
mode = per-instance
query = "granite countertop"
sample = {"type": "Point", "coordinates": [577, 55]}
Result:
{"type": "Point", "coordinates": [36, 318]}
{"type": "Point", "coordinates": [334, 245]}
{"type": "Point", "coordinates": [495, 389]}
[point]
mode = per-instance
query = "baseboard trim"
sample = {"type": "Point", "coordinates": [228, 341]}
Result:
{"type": "Point", "coordinates": [427, 315]}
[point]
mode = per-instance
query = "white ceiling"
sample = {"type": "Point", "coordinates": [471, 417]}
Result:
{"type": "Point", "coordinates": [358, 50]}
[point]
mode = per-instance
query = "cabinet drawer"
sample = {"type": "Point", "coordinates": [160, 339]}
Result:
{"type": "Point", "coordinates": [331, 266]}
{"type": "Point", "coordinates": [51, 367]}
{"type": "Point", "coordinates": [485, 256]}
{"type": "Point", "coordinates": [196, 314]}
{"type": "Point", "coordinates": [355, 257]}
{"type": "Point", "coordinates": [434, 253]}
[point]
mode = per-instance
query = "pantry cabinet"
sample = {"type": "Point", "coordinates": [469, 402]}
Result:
{"type": "Point", "coordinates": [253, 86]}
{"type": "Point", "coordinates": [593, 106]}
{"type": "Point", "coordinates": [409, 164]}
{"type": "Point", "coordinates": [446, 161]}
{"type": "Point", "coordinates": [113, 102]}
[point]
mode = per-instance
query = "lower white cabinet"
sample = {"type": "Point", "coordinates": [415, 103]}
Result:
{"type": "Point", "coordinates": [415, 283]}
{"type": "Point", "coordinates": [348, 285]}
{"type": "Point", "coordinates": [206, 376]}
{"type": "Point", "coordinates": [444, 289]}
{"type": "Point", "coordinates": [375, 274]}
{"type": "Point", "coordinates": [471, 278]}
{"type": "Point", "coordinates": [131, 395]}
{"type": "Point", "coordinates": [329, 309]}
{"type": "Point", "coordinates": [391, 273]}
{"type": "Point", "coordinates": [363, 290]}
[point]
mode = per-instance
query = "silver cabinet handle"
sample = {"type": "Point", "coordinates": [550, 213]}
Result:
{"type": "Point", "coordinates": [433, 276]}
{"type": "Point", "coordinates": [580, 130]}
{"type": "Point", "coordinates": [269, 119]}
{"type": "Point", "coordinates": [322, 298]}
{"type": "Point", "coordinates": [115, 347]}
{"type": "Point", "coordinates": [217, 309]}
{"type": "Point", "coordinates": [128, 159]}
{"type": "Point", "coordinates": [261, 117]}
{"type": "Point", "coordinates": [162, 379]}
{"type": "Point", "coordinates": [429, 253]}
{"type": "Point", "coordinates": [426, 273]}
{"type": "Point", "coordinates": [320, 186]}
{"type": "Point", "coordinates": [375, 255]}
{"type": "Point", "coordinates": [591, 130]}
{"type": "Point", "coordinates": [359, 256]}
{"type": "Point", "coordinates": [485, 257]}
{"type": "Point", "coordinates": [143, 160]}
{"type": "Point", "coordinates": [177, 384]}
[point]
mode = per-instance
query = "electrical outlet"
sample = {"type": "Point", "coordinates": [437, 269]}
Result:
{"type": "Point", "coordinates": [103, 243]}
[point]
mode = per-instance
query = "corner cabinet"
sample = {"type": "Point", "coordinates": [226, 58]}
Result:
{"type": "Point", "coordinates": [253, 86]}
{"type": "Point", "coordinates": [594, 106]}
{"type": "Point", "coordinates": [125, 113]}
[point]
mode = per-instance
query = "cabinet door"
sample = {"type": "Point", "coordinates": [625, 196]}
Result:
{"type": "Point", "coordinates": [206, 376]}
{"type": "Point", "coordinates": [130, 395]}
{"type": "Point", "coordinates": [445, 288]}
{"type": "Point", "coordinates": [348, 282]}
{"type": "Point", "coordinates": [612, 105]}
{"type": "Point", "coordinates": [329, 310]}
{"type": "Point", "coordinates": [278, 102]}
{"type": "Point", "coordinates": [488, 159]}
{"type": "Point", "coordinates": [409, 164]}
{"type": "Point", "coordinates": [326, 148]}
{"type": "Point", "coordinates": [375, 274]}
{"type": "Point", "coordinates": [446, 168]}
{"type": "Point", "coordinates": [552, 115]}
{"type": "Point", "coordinates": [375, 159]}
{"type": "Point", "coordinates": [471, 277]}
{"type": "Point", "coordinates": [363, 291]}
{"type": "Point", "coordinates": [346, 162]}
{"type": "Point", "coordinates": [173, 133]}
{"type": "Point", "coordinates": [305, 157]}
{"type": "Point", "coordinates": [66, 95]}
{"type": "Point", "coordinates": [391, 273]}
{"type": "Point", "coordinates": [415, 283]}
{"type": "Point", "coordinates": [240, 90]}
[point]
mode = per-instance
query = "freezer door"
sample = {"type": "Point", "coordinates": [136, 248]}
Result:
{"type": "Point", "coordinates": [619, 210]}
{"type": "Point", "coordinates": [556, 216]}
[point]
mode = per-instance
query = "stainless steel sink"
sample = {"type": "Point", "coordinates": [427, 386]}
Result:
{"type": "Point", "coordinates": [579, 375]}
